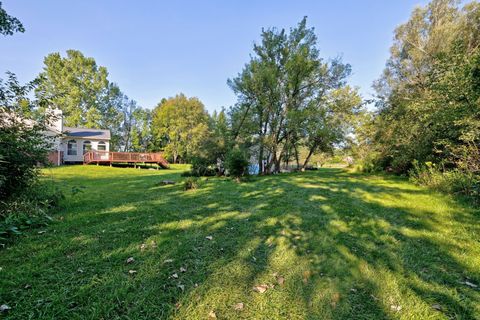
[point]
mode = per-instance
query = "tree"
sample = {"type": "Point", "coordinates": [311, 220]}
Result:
{"type": "Point", "coordinates": [80, 88]}
{"type": "Point", "coordinates": [179, 125]}
{"type": "Point", "coordinates": [8, 24]}
{"type": "Point", "coordinates": [428, 95]}
{"type": "Point", "coordinates": [282, 92]}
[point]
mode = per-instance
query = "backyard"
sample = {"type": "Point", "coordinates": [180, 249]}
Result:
{"type": "Point", "coordinates": [324, 244]}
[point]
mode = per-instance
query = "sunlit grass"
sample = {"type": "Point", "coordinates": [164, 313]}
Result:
{"type": "Point", "coordinates": [348, 246]}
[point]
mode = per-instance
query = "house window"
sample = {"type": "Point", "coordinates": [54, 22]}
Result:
{"type": "Point", "coordinates": [87, 146]}
{"type": "Point", "coordinates": [72, 148]}
{"type": "Point", "coordinates": [101, 146]}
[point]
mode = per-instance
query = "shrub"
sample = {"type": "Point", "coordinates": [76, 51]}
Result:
{"type": "Point", "coordinates": [190, 183]}
{"type": "Point", "coordinates": [24, 201]}
{"type": "Point", "coordinates": [201, 167]}
{"type": "Point", "coordinates": [453, 181]}
{"type": "Point", "coordinates": [237, 164]}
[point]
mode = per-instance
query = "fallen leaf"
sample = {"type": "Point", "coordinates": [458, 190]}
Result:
{"type": "Point", "coordinates": [132, 271]}
{"type": "Point", "coordinates": [209, 238]}
{"type": "Point", "coordinates": [396, 308]}
{"type": "Point", "coordinates": [42, 231]}
{"type": "Point", "coordinates": [181, 287]}
{"type": "Point", "coordinates": [4, 308]}
{"type": "Point", "coordinates": [353, 290]}
{"type": "Point", "coordinates": [80, 270]}
{"type": "Point", "coordinates": [143, 246]}
{"type": "Point", "coordinates": [182, 269]}
{"type": "Point", "coordinates": [178, 305]}
{"type": "Point", "coordinates": [472, 285]}
{"type": "Point", "coordinates": [436, 306]}
{"type": "Point", "coordinates": [281, 280]}
{"type": "Point", "coordinates": [261, 288]}
{"type": "Point", "coordinates": [168, 261]}
{"type": "Point", "coordinates": [239, 306]}
{"type": "Point", "coordinates": [130, 260]}
{"type": "Point", "coordinates": [212, 315]}
{"type": "Point", "coordinates": [306, 275]}
{"type": "Point", "coordinates": [175, 276]}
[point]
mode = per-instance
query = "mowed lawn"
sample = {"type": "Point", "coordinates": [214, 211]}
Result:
{"type": "Point", "coordinates": [327, 245]}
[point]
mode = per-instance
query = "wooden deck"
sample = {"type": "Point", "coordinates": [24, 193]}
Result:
{"type": "Point", "coordinates": [107, 157]}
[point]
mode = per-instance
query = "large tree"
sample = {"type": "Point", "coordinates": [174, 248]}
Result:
{"type": "Point", "coordinates": [179, 125]}
{"type": "Point", "coordinates": [282, 92]}
{"type": "Point", "coordinates": [81, 89]}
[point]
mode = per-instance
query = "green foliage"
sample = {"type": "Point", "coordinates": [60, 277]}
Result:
{"type": "Point", "coordinates": [191, 183]}
{"type": "Point", "coordinates": [288, 97]}
{"type": "Point", "coordinates": [429, 94]}
{"type": "Point", "coordinates": [201, 167]}
{"type": "Point", "coordinates": [179, 126]}
{"type": "Point", "coordinates": [237, 163]}
{"type": "Point", "coordinates": [8, 24]}
{"type": "Point", "coordinates": [24, 201]}
{"type": "Point", "coordinates": [23, 144]}
{"type": "Point", "coordinates": [80, 88]}
{"type": "Point", "coordinates": [454, 181]}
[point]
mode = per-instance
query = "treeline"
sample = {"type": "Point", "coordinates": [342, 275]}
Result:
{"type": "Point", "coordinates": [290, 101]}
{"type": "Point", "coordinates": [427, 121]}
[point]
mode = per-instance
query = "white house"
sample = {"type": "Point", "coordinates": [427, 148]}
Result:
{"type": "Point", "coordinates": [70, 144]}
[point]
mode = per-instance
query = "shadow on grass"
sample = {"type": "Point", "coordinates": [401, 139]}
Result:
{"type": "Point", "coordinates": [349, 246]}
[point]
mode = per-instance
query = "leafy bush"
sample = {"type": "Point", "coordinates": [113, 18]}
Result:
{"type": "Point", "coordinates": [191, 183]}
{"type": "Point", "coordinates": [237, 164]}
{"type": "Point", "coordinates": [201, 167]}
{"type": "Point", "coordinates": [24, 201]}
{"type": "Point", "coordinates": [453, 181]}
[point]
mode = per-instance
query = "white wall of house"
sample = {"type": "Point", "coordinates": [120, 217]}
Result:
{"type": "Point", "coordinates": [77, 150]}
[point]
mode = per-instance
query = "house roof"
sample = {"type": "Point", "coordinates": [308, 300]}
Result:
{"type": "Point", "coordinates": [87, 133]}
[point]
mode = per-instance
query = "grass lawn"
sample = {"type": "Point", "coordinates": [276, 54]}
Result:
{"type": "Point", "coordinates": [347, 247]}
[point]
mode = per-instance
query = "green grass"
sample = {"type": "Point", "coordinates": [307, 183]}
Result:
{"type": "Point", "coordinates": [348, 246]}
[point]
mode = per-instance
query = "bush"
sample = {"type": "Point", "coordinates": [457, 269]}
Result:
{"type": "Point", "coordinates": [190, 183]}
{"type": "Point", "coordinates": [237, 164]}
{"type": "Point", "coordinates": [24, 201]}
{"type": "Point", "coordinates": [201, 167]}
{"type": "Point", "coordinates": [453, 181]}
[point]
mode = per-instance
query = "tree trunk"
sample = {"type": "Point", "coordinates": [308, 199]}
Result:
{"type": "Point", "coordinates": [310, 153]}
{"type": "Point", "coordinates": [296, 156]}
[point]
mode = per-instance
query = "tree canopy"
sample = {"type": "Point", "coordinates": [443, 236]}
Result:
{"type": "Point", "coordinates": [288, 97]}
{"type": "Point", "coordinates": [428, 97]}
{"type": "Point", "coordinates": [179, 125]}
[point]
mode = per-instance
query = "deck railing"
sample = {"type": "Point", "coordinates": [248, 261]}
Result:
{"type": "Point", "coordinates": [108, 156]}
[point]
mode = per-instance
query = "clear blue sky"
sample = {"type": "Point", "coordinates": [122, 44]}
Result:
{"type": "Point", "coordinates": [155, 49]}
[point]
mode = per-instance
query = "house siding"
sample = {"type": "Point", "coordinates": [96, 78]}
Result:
{"type": "Point", "coordinates": [79, 156]}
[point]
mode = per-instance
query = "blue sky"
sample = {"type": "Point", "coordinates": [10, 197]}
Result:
{"type": "Point", "coordinates": [156, 49]}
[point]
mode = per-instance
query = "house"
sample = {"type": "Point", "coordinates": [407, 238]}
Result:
{"type": "Point", "coordinates": [70, 144]}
